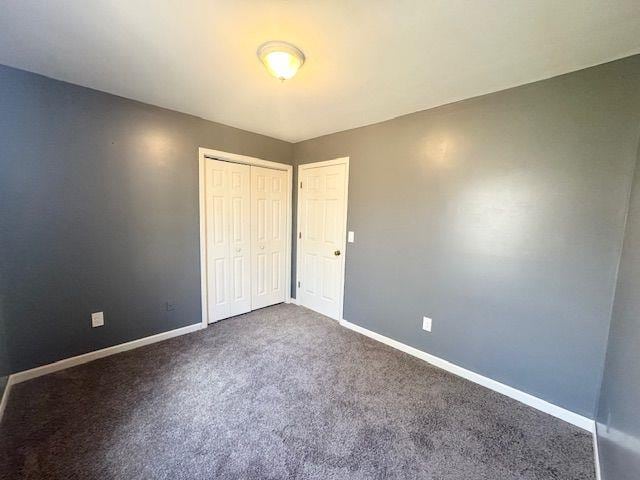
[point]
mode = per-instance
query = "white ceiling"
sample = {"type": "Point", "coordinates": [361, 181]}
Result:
{"type": "Point", "coordinates": [367, 60]}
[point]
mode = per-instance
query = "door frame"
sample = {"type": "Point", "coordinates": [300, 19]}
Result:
{"type": "Point", "coordinates": [207, 153]}
{"type": "Point", "coordinates": [306, 166]}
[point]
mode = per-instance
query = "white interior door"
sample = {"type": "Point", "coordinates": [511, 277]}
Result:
{"type": "Point", "coordinates": [322, 200]}
{"type": "Point", "coordinates": [228, 193]}
{"type": "Point", "coordinates": [268, 236]}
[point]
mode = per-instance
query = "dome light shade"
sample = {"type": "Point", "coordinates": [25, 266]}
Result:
{"type": "Point", "coordinates": [281, 59]}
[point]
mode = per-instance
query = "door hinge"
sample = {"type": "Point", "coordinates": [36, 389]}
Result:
{"type": "Point", "coordinates": [300, 235]}
{"type": "Point", "coordinates": [298, 284]}
{"type": "Point", "coordinates": [300, 184]}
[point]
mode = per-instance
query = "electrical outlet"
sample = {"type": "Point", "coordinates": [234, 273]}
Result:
{"type": "Point", "coordinates": [171, 306]}
{"type": "Point", "coordinates": [426, 324]}
{"type": "Point", "coordinates": [97, 319]}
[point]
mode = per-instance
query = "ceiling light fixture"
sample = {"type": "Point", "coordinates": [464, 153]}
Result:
{"type": "Point", "coordinates": [281, 59]}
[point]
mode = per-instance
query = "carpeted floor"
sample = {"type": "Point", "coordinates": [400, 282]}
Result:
{"type": "Point", "coordinates": [278, 393]}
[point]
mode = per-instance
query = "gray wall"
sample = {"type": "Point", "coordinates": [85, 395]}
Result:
{"type": "Point", "coordinates": [4, 355]}
{"type": "Point", "coordinates": [5, 367]}
{"type": "Point", "coordinates": [501, 217]}
{"type": "Point", "coordinates": [99, 211]}
{"type": "Point", "coordinates": [619, 407]}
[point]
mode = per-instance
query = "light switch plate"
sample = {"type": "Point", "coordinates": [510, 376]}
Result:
{"type": "Point", "coordinates": [426, 324]}
{"type": "Point", "coordinates": [97, 319]}
{"type": "Point", "coordinates": [350, 237]}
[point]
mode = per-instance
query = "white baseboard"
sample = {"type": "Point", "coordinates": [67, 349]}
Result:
{"type": "Point", "coordinates": [596, 454]}
{"type": "Point", "coordinates": [88, 357]}
{"type": "Point", "coordinates": [535, 402]}
{"type": "Point", "coordinates": [104, 352]}
{"type": "Point", "coordinates": [5, 396]}
{"type": "Point", "coordinates": [293, 301]}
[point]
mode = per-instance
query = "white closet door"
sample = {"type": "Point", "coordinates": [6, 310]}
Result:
{"type": "Point", "coordinates": [228, 239]}
{"type": "Point", "coordinates": [268, 236]}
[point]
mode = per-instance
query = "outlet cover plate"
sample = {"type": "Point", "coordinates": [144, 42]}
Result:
{"type": "Point", "coordinates": [426, 324]}
{"type": "Point", "coordinates": [97, 319]}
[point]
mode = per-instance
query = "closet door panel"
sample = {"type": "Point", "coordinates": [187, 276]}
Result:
{"type": "Point", "coordinates": [240, 237]}
{"type": "Point", "coordinates": [228, 206]}
{"type": "Point", "coordinates": [217, 240]}
{"type": "Point", "coordinates": [268, 221]}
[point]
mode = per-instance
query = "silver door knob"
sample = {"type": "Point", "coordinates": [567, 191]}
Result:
{"type": "Point", "coordinates": [336, 253]}
{"type": "Point", "coordinates": [261, 247]}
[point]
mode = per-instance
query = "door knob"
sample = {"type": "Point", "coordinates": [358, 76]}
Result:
{"type": "Point", "coordinates": [261, 247]}
{"type": "Point", "coordinates": [336, 253]}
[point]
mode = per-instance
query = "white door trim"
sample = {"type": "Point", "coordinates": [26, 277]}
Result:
{"type": "Point", "coordinates": [203, 154]}
{"type": "Point", "coordinates": [326, 163]}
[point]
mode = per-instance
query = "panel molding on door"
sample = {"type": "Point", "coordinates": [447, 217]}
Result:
{"type": "Point", "coordinates": [322, 221]}
{"type": "Point", "coordinates": [268, 236]}
{"type": "Point", "coordinates": [228, 239]}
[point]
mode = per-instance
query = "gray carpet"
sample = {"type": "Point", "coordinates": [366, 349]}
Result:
{"type": "Point", "coordinates": [278, 393]}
